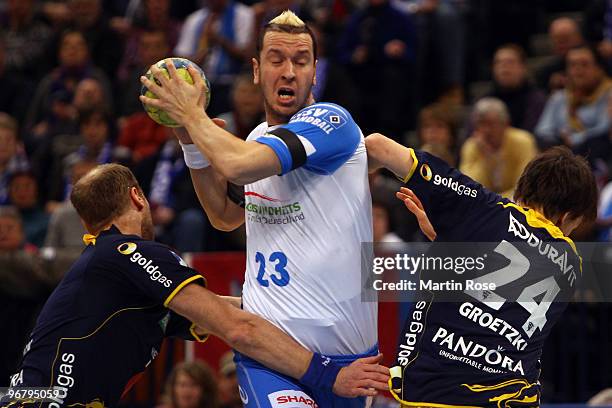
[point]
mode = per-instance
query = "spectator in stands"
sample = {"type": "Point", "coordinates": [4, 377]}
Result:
{"type": "Point", "coordinates": [142, 136]}
{"type": "Point", "coordinates": [333, 82]}
{"type": "Point", "coordinates": [441, 36]}
{"type": "Point", "coordinates": [177, 215]}
{"type": "Point", "coordinates": [192, 385]}
{"type": "Point", "coordinates": [379, 47]}
{"type": "Point", "coordinates": [65, 229]}
{"type": "Point", "coordinates": [152, 16]}
{"type": "Point", "coordinates": [382, 187]}
{"type": "Point", "coordinates": [229, 395]}
{"type": "Point", "coordinates": [17, 89]}
{"type": "Point", "coordinates": [437, 131]}
{"type": "Point", "coordinates": [23, 194]}
{"type": "Point", "coordinates": [564, 35]}
{"type": "Point", "coordinates": [51, 111]}
{"type": "Point", "coordinates": [155, 16]}
{"type": "Point", "coordinates": [152, 47]}
{"type": "Point", "coordinates": [218, 37]}
{"type": "Point", "coordinates": [64, 240]}
{"type": "Point", "coordinates": [105, 45]}
{"type": "Point", "coordinates": [96, 143]}
{"type": "Point", "coordinates": [495, 154]}
{"type": "Point", "coordinates": [604, 214]}
{"type": "Point", "coordinates": [27, 38]}
{"type": "Point", "coordinates": [89, 96]}
{"type": "Point", "coordinates": [247, 101]}
{"type": "Point", "coordinates": [381, 223]}
{"type": "Point", "coordinates": [12, 155]}
{"type": "Point", "coordinates": [511, 84]}
{"type": "Point", "coordinates": [597, 27]}
{"type": "Point", "coordinates": [578, 116]}
{"type": "Point", "coordinates": [22, 288]}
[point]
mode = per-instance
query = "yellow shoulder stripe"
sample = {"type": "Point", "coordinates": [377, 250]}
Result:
{"type": "Point", "coordinates": [181, 286]}
{"type": "Point", "coordinates": [415, 163]}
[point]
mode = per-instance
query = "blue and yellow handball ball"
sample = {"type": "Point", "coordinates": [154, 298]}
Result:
{"type": "Point", "coordinates": [159, 115]}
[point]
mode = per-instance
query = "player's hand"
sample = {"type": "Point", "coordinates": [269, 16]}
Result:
{"type": "Point", "coordinates": [176, 96]}
{"type": "Point", "coordinates": [414, 205]}
{"type": "Point", "coordinates": [362, 378]}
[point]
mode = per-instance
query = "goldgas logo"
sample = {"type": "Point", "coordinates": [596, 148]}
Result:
{"type": "Point", "coordinates": [129, 248]}
{"type": "Point", "coordinates": [425, 172]}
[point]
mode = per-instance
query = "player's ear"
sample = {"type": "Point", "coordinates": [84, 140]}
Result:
{"type": "Point", "coordinates": [137, 198]}
{"type": "Point", "coordinates": [314, 77]}
{"type": "Point", "coordinates": [255, 64]}
{"type": "Point", "coordinates": [568, 223]}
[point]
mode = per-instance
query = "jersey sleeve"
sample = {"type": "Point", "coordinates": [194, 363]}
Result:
{"type": "Point", "coordinates": [182, 328]}
{"type": "Point", "coordinates": [154, 269]}
{"type": "Point", "coordinates": [320, 138]}
{"type": "Point", "coordinates": [449, 197]}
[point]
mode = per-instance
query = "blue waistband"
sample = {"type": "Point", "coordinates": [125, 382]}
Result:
{"type": "Point", "coordinates": [343, 359]}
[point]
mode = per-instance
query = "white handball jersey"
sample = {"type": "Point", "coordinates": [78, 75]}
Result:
{"type": "Point", "coordinates": [305, 228]}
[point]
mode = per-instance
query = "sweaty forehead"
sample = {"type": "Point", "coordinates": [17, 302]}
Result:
{"type": "Point", "coordinates": [287, 42]}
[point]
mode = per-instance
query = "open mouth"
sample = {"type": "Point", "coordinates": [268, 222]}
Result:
{"type": "Point", "coordinates": [285, 94]}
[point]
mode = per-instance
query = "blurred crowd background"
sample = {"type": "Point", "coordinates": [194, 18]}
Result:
{"type": "Point", "coordinates": [483, 84]}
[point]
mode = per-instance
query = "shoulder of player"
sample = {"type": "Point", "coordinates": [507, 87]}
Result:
{"type": "Point", "coordinates": [118, 247]}
{"type": "Point", "coordinates": [328, 117]}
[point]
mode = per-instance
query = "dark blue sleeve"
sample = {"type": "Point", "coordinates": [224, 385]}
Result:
{"type": "Point", "coordinates": [154, 269]}
{"type": "Point", "coordinates": [449, 197]}
{"type": "Point", "coordinates": [320, 138]}
{"type": "Point", "coordinates": [180, 327]}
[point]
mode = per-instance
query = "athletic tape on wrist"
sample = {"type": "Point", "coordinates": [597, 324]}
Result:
{"type": "Point", "coordinates": [321, 373]}
{"type": "Point", "coordinates": [194, 159]}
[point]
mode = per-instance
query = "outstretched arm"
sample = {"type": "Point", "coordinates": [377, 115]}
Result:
{"type": "Point", "coordinates": [261, 340]}
{"type": "Point", "coordinates": [387, 153]}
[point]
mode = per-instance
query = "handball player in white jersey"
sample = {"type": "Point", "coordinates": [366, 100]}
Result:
{"type": "Point", "coordinates": [307, 208]}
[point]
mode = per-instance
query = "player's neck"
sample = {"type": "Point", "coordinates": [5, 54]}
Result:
{"type": "Point", "coordinates": [128, 223]}
{"type": "Point", "coordinates": [540, 211]}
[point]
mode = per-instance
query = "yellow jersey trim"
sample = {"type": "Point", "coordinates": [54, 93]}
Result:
{"type": "Point", "coordinates": [181, 286]}
{"type": "Point", "coordinates": [425, 404]}
{"type": "Point", "coordinates": [89, 239]}
{"type": "Point", "coordinates": [537, 220]}
{"type": "Point", "coordinates": [59, 343]}
{"type": "Point", "coordinates": [198, 338]}
{"type": "Point", "coordinates": [415, 163]}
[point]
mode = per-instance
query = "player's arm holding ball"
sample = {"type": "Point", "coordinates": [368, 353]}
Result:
{"type": "Point", "coordinates": [237, 161]}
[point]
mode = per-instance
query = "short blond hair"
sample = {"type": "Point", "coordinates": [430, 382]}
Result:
{"type": "Point", "coordinates": [286, 22]}
{"type": "Point", "coordinates": [288, 18]}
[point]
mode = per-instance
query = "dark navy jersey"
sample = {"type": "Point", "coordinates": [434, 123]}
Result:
{"type": "Point", "coordinates": [483, 348]}
{"type": "Point", "coordinates": [105, 321]}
